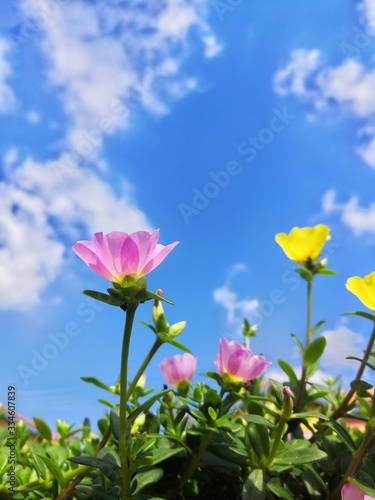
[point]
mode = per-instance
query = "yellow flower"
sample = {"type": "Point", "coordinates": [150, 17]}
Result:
{"type": "Point", "coordinates": [364, 289]}
{"type": "Point", "coordinates": [304, 243]}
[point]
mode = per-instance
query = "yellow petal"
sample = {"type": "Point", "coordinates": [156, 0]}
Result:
{"type": "Point", "coordinates": [364, 289]}
{"type": "Point", "coordinates": [303, 243]}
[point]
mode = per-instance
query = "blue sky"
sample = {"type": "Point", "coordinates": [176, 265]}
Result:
{"type": "Point", "coordinates": [220, 122]}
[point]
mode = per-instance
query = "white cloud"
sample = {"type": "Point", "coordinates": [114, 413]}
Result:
{"type": "Point", "coordinates": [367, 12]}
{"type": "Point", "coordinates": [341, 343]}
{"type": "Point", "coordinates": [7, 98]}
{"type": "Point", "coordinates": [347, 88]}
{"type": "Point", "coordinates": [360, 220]}
{"type": "Point", "coordinates": [130, 55]}
{"type": "Point", "coordinates": [38, 212]}
{"type": "Point", "coordinates": [236, 309]}
{"type": "Point", "coordinates": [293, 77]}
{"type": "Point", "coordinates": [32, 116]}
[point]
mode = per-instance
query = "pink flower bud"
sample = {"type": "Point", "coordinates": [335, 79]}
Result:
{"type": "Point", "coordinates": [123, 258]}
{"type": "Point", "coordinates": [351, 492]}
{"type": "Point", "coordinates": [238, 362]}
{"type": "Point", "coordinates": [178, 370]}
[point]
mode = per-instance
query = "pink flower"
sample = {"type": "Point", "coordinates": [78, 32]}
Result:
{"type": "Point", "coordinates": [238, 363]}
{"type": "Point", "coordinates": [351, 492]}
{"type": "Point", "coordinates": [123, 258]}
{"type": "Point", "coordinates": [178, 370]}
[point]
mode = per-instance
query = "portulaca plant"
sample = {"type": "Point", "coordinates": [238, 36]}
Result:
{"type": "Point", "coordinates": [236, 436]}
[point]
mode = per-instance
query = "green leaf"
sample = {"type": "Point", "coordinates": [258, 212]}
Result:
{"type": "Point", "coordinates": [161, 454]}
{"type": "Point", "coordinates": [257, 419]}
{"type": "Point", "coordinates": [279, 491]}
{"type": "Point", "coordinates": [146, 405]}
{"type": "Point", "coordinates": [314, 351]}
{"type": "Point", "coordinates": [317, 327]}
{"type": "Point", "coordinates": [170, 340]}
{"type": "Point", "coordinates": [4, 453]}
{"type": "Point", "coordinates": [366, 315]}
{"type": "Point", "coordinates": [311, 369]}
{"type": "Point", "coordinates": [40, 466]}
{"type": "Point", "coordinates": [363, 487]}
{"type": "Point", "coordinates": [98, 383]}
{"type": "Point", "coordinates": [93, 493]}
{"type": "Point", "coordinates": [255, 486]}
{"type": "Point", "coordinates": [214, 376]}
{"type": "Point", "coordinates": [361, 388]}
{"type": "Point", "coordinates": [298, 343]}
{"type": "Point", "coordinates": [107, 465]}
{"type": "Point", "coordinates": [295, 454]}
{"type": "Point", "coordinates": [143, 479]}
{"type": "Point", "coordinates": [43, 428]}
{"type": "Point", "coordinates": [310, 414]}
{"type": "Point", "coordinates": [212, 413]}
{"type": "Point", "coordinates": [54, 469]}
{"type": "Point", "coordinates": [289, 371]}
{"type": "Point", "coordinates": [343, 433]}
{"type": "Point", "coordinates": [102, 297]}
{"type": "Point", "coordinates": [58, 454]}
{"type": "Point", "coordinates": [370, 365]}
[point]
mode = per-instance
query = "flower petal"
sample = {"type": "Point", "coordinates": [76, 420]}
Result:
{"type": "Point", "coordinates": [159, 254]}
{"type": "Point", "coordinates": [85, 250]}
{"type": "Point", "coordinates": [108, 249]}
{"type": "Point", "coordinates": [146, 243]}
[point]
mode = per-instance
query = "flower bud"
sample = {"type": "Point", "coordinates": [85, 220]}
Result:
{"type": "Point", "coordinates": [177, 328]}
{"type": "Point", "coordinates": [287, 402]}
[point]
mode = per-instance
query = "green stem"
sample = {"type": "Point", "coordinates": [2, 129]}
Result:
{"type": "Point", "coordinates": [143, 366]}
{"type": "Point", "coordinates": [302, 385]}
{"type": "Point", "coordinates": [194, 463]}
{"type": "Point", "coordinates": [276, 442]}
{"type": "Point", "coordinates": [340, 410]}
{"type": "Point", "coordinates": [358, 455]}
{"type": "Point", "coordinates": [125, 472]}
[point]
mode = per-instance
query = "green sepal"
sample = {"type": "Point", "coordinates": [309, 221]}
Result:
{"type": "Point", "coordinates": [148, 325]}
{"type": "Point", "coordinates": [305, 274]}
{"type": "Point", "coordinates": [145, 295]}
{"type": "Point", "coordinates": [102, 297]}
{"type": "Point", "coordinates": [326, 272]}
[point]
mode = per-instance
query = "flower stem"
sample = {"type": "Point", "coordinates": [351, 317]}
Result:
{"type": "Point", "coordinates": [143, 366]}
{"type": "Point", "coordinates": [302, 385]}
{"type": "Point", "coordinates": [358, 455]}
{"type": "Point", "coordinates": [276, 442]}
{"type": "Point", "coordinates": [194, 463]}
{"type": "Point", "coordinates": [340, 410]}
{"type": "Point", "coordinates": [125, 471]}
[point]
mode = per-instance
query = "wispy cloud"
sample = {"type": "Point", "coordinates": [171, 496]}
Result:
{"type": "Point", "coordinates": [360, 220]}
{"type": "Point", "coordinates": [7, 97]}
{"type": "Point", "coordinates": [236, 309]}
{"type": "Point", "coordinates": [38, 213]}
{"type": "Point", "coordinates": [346, 87]}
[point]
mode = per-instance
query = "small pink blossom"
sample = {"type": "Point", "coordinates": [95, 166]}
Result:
{"type": "Point", "coordinates": [351, 492]}
{"type": "Point", "coordinates": [238, 362]}
{"type": "Point", "coordinates": [123, 258]}
{"type": "Point", "coordinates": [179, 369]}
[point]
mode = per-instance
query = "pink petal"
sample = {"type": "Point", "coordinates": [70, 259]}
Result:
{"type": "Point", "coordinates": [146, 243]}
{"type": "Point", "coordinates": [108, 249]}
{"type": "Point", "coordinates": [158, 256]}
{"type": "Point", "coordinates": [84, 250]}
{"type": "Point", "coordinates": [129, 257]}
{"type": "Point", "coordinates": [351, 492]}
{"type": "Point", "coordinates": [252, 367]}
